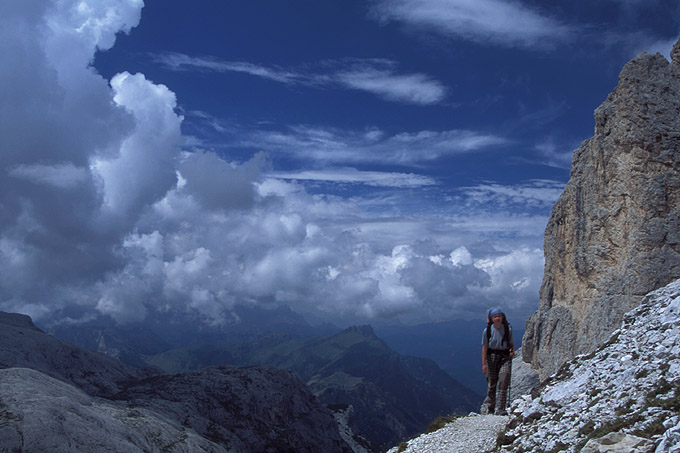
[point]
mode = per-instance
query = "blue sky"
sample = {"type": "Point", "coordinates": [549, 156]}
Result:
{"type": "Point", "coordinates": [360, 161]}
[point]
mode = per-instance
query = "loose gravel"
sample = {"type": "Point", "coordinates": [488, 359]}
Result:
{"type": "Point", "coordinates": [471, 434]}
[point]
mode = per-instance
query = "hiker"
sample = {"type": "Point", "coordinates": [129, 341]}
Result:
{"type": "Point", "coordinates": [498, 349]}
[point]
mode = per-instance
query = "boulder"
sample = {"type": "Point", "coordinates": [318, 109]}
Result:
{"type": "Point", "coordinates": [523, 379]}
{"type": "Point", "coordinates": [619, 443]}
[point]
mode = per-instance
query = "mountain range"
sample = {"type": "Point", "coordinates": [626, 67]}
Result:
{"type": "Point", "coordinates": [288, 387]}
{"type": "Point", "coordinates": [55, 396]}
{"type": "Point", "coordinates": [353, 375]}
{"type": "Point", "coordinates": [393, 396]}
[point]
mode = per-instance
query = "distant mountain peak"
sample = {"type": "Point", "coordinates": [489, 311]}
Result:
{"type": "Point", "coordinates": [17, 320]}
{"type": "Point", "coordinates": [365, 330]}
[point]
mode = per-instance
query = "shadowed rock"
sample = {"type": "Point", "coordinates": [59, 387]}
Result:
{"type": "Point", "coordinates": [252, 409]}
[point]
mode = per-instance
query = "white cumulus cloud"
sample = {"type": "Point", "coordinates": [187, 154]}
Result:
{"type": "Point", "coordinates": [100, 208]}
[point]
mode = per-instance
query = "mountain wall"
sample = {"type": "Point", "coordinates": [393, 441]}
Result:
{"type": "Point", "coordinates": [614, 233]}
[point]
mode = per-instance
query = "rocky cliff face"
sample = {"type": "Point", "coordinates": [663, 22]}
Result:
{"type": "Point", "coordinates": [614, 234]}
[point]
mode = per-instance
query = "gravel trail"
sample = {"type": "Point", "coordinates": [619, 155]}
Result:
{"type": "Point", "coordinates": [471, 434]}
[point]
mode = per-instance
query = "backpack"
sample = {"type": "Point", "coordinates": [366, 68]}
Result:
{"type": "Point", "coordinates": [506, 334]}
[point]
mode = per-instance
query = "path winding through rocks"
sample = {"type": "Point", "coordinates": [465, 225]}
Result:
{"type": "Point", "coordinates": [471, 434]}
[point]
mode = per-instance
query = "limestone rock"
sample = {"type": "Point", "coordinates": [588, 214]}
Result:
{"type": "Point", "coordinates": [475, 433]}
{"type": "Point", "coordinates": [619, 443]}
{"type": "Point", "coordinates": [622, 397]}
{"type": "Point", "coordinates": [523, 378]}
{"type": "Point", "coordinates": [675, 54]}
{"type": "Point", "coordinates": [40, 413]}
{"type": "Point", "coordinates": [628, 386]}
{"type": "Point", "coordinates": [614, 233]}
{"type": "Point", "coordinates": [670, 441]}
{"type": "Point", "coordinates": [22, 344]}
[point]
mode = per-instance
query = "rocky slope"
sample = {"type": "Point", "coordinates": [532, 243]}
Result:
{"type": "Point", "coordinates": [254, 409]}
{"type": "Point", "coordinates": [523, 378]}
{"type": "Point", "coordinates": [40, 413]}
{"type": "Point", "coordinates": [57, 397]}
{"type": "Point", "coordinates": [622, 398]}
{"type": "Point", "coordinates": [471, 434]}
{"type": "Point", "coordinates": [614, 234]}
{"type": "Point", "coordinates": [22, 344]}
{"type": "Point", "coordinates": [629, 386]}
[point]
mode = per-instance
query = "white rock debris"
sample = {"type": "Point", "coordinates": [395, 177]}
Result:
{"type": "Point", "coordinates": [471, 434]}
{"type": "Point", "coordinates": [629, 385]}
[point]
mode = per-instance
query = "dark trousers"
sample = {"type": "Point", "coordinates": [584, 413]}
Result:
{"type": "Point", "coordinates": [499, 369]}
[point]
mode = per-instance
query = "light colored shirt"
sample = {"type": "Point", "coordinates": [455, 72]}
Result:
{"type": "Point", "coordinates": [497, 338]}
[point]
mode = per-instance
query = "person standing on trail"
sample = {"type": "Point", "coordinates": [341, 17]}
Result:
{"type": "Point", "coordinates": [498, 349]}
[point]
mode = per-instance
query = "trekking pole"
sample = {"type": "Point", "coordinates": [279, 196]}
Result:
{"type": "Point", "coordinates": [509, 387]}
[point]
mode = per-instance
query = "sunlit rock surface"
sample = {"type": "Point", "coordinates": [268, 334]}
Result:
{"type": "Point", "coordinates": [614, 233]}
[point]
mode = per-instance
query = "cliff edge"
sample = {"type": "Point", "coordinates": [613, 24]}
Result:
{"type": "Point", "coordinates": [614, 233]}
